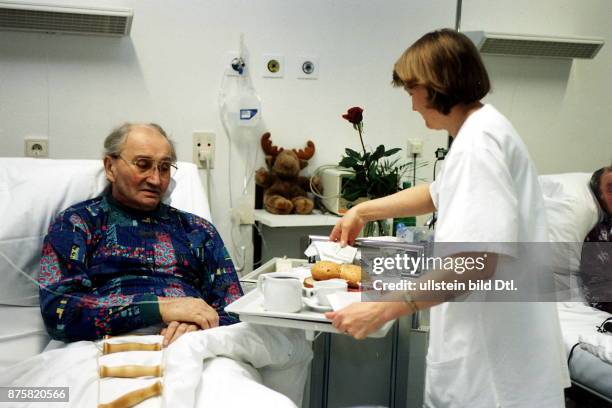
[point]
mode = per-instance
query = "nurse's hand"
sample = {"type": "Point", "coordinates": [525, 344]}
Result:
{"type": "Point", "coordinates": [348, 227]}
{"type": "Point", "coordinates": [176, 330]}
{"type": "Point", "coordinates": [361, 319]}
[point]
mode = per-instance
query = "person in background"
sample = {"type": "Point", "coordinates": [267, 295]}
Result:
{"type": "Point", "coordinates": [596, 259]}
{"type": "Point", "coordinates": [125, 261]}
{"type": "Point", "coordinates": [481, 355]}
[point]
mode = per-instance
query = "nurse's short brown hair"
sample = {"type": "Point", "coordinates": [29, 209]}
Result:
{"type": "Point", "coordinates": [448, 65]}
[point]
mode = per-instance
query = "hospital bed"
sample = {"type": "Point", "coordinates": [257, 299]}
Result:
{"type": "Point", "coordinates": [32, 192]}
{"type": "Point", "coordinates": [572, 212]}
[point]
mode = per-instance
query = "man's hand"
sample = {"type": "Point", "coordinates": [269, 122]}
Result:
{"type": "Point", "coordinates": [176, 330]}
{"type": "Point", "coordinates": [188, 310]}
{"type": "Point", "coordinates": [361, 319]}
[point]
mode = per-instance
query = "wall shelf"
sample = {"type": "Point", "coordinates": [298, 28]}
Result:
{"type": "Point", "coordinates": [295, 220]}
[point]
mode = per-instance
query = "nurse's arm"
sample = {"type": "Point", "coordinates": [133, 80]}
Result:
{"type": "Point", "coordinates": [425, 299]}
{"type": "Point", "coordinates": [362, 318]}
{"type": "Point", "coordinates": [406, 203]}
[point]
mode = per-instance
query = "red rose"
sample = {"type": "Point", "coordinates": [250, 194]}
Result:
{"type": "Point", "coordinates": [354, 115]}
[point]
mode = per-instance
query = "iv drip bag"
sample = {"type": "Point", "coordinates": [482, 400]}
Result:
{"type": "Point", "coordinates": [249, 108]}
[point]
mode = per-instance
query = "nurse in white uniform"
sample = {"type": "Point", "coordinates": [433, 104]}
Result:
{"type": "Point", "coordinates": [481, 354]}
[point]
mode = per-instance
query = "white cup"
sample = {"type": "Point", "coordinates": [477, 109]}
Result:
{"type": "Point", "coordinates": [324, 288]}
{"type": "Point", "coordinates": [282, 292]}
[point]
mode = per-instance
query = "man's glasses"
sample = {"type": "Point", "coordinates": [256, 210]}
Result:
{"type": "Point", "coordinates": [146, 166]}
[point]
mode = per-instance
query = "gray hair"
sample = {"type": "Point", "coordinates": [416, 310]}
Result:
{"type": "Point", "coordinates": [113, 144]}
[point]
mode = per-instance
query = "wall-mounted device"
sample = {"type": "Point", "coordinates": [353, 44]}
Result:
{"type": "Point", "coordinates": [535, 45]}
{"type": "Point", "coordinates": [415, 147]}
{"type": "Point", "coordinates": [204, 149]}
{"type": "Point", "coordinates": [36, 147]}
{"type": "Point", "coordinates": [307, 67]}
{"type": "Point", "coordinates": [274, 66]}
{"type": "Point", "coordinates": [40, 17]}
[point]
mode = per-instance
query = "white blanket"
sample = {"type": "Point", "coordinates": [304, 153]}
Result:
{"type": "Point", "coordinates": [205, 368]}
{"type": "Point", "coordinates": [579, 325]}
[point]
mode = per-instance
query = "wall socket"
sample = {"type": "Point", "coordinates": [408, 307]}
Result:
{"type": "Point", "coordinates": [38, 147]}
{"type": "Point", "coordinates": [273, 66]}
{"type": "Point", "coordinates": [203, 146]}
{"type": "Point", "coordinates": [307, 67]}
{"type": "Point", "coordinates": [415, 147]}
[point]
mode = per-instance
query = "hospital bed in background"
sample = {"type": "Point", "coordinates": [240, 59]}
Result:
{"type": "Point", "coordinates": [572, 212]}
{"type": "Point", "coordinates": [32, 192]}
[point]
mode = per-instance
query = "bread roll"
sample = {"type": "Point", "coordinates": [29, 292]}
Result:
{"type": "Point", "coordinates": [324, 270]}
{"type": "Point", "coordinates": [351, 273]}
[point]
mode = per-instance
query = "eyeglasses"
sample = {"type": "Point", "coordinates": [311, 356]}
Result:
{"type": "Point", "coordinates": [146, 166]}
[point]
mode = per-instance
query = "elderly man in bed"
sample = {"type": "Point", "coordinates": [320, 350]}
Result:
{"type": "Point", "coordinates": [125, 261]}
{"type": "Point", "coordinates": [596, 260]}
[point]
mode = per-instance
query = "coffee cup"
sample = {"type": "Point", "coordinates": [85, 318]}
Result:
{"type": "Point", "coordinates": [282, 292]}
{"type": "Point", "coordinates": [321, 289]}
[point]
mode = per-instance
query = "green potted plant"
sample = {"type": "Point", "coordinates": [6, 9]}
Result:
{"type": "Point", "coordinates": [376, 173]}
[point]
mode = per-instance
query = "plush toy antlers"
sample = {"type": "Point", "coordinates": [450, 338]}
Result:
{"type": "Point", "coordinates": [307, 153]}
{"type": "Point", "coordinates": [268, 147]}
{"type": "Point", "coordinates": [272, 150]}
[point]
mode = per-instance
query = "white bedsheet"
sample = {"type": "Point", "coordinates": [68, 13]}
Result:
{"type": "Point", "coordinates": [205, 368]}
{"type": "Point", "coordinates": [579, 325]}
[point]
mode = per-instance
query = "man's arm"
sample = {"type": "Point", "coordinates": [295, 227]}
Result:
{"type": "Point", "coordinates": [223, 287]}
{"type": "Point", "coordinates": [70, 308]}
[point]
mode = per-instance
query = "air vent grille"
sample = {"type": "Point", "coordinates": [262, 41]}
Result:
{"type": "Point", "coordinates": [556, 49]}
{"type": "Point", "coordinates": [535, 46]}
{"type": "Point", "coordinates": [72, 22]}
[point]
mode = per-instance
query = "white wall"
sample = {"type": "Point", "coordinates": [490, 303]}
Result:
{"type": "Point", "coordinates": [561, 108]}
{"type": "Point", "coordinates": [74, 89]}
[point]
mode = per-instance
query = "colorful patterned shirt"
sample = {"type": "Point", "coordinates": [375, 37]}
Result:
{"type": "Point", "coordinates": [104, 265]}
{"type": "Point", "coordinates": [596, 266]}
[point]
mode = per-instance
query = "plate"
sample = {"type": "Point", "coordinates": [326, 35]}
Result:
{"type": "Point", "coordinates": [309, 283]}
{"type": "Point", "coordinates": [314, 305]}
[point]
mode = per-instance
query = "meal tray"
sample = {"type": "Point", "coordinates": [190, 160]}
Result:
{"type": "Point", "coordinates": [249, 308]}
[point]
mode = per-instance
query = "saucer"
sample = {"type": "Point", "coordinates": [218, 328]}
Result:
{"type": "Point", "coordinates": [313, 304]}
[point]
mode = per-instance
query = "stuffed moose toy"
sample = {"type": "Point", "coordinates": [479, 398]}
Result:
{"type": "Point", "coordinates": [284, 189]}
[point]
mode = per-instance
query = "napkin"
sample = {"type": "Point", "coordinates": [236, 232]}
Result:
{"type": "Point", "coordinates": [331, 251]}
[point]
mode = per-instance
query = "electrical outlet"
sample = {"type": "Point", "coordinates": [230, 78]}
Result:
{"type": "Point", "coordinates": [274, 66]}
{"type": "Point", "coordinates": [308, 67]}
{"type": "Point", "coordinates": [415, 147]}
{"type": "Point", "coordinates": [203, 146]}
{"type": "Point", "coordinates": [36, 147]}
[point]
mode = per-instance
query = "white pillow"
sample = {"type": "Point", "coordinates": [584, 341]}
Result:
{"type": "Point", "coordinates": [32, 192]}
{"type": "Point", "coordinates": [572, 212]}
{"type": "Point", "coordinates": [571, 207]}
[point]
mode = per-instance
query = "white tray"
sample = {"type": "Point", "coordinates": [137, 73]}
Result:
{"type": "Point", "coordinates": [249, 308]}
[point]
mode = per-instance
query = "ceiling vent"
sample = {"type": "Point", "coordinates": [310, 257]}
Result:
{"type": "Point", "coordinates": [46, 18]}
{"type": "Point", "coordinates": [534, 45]}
